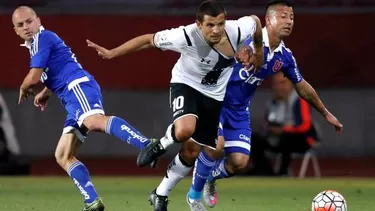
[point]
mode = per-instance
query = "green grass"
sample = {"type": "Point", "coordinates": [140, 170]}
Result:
{"type": "Point", "coordinates": [130, 194]}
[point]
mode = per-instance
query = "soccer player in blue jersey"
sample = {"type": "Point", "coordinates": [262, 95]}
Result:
{"type": "Point", "coordinates": [53, 63]}
{"type": "Point", "coordinates": [234, 125]}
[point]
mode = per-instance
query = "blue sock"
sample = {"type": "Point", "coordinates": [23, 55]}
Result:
{"type": "Point", "coordinates": [203, 167]}
{"type": "Point", "coordinates": [124, 131]}
{"type": "Point", "coordinates": [219, 172]}
{"type": "Point", "coordinates": [81, 178]}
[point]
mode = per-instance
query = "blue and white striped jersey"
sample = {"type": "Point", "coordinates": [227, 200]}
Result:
{"type": "Point", "coordinates": [49, 52]}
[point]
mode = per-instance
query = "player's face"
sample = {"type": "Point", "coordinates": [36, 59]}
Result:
{"type": "Point", "coordinates": [281, 86]}
{"type": "Point", "coordinates": [212, 28]}
{"type": "Point", "coordinates": [26, 24]}
{"type": "Point", "coordinates": [281, 20]}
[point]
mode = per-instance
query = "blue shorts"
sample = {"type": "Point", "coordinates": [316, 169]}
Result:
{"type": "Point", "coordinates": [235, 128]}
{"type": "Point", "coordinates": [83, 98]}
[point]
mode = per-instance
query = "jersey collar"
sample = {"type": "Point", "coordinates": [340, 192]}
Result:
{"type": "Point", "coordinates": [28, 44]}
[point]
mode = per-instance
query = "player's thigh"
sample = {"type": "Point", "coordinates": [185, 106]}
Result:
{"type": "Point", "coordinates": [84, 100]}
{"type": "Point", "coordinates": [72, 137]}
{"type": "Point", "coordinates": [183, 102]}
{"type": "Point", "coordinates": [67, 146]}
{"type": "Point", "coordinates": [237, 146]}
{"type": "Point", "coordinates": [207, 125]}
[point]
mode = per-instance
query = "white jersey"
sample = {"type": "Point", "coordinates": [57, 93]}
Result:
{"type": "Point", "coordinates": [201, 66]}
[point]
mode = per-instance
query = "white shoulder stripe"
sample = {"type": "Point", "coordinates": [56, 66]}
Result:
{"type": "Point", "coordinates": [36, 44]}
{"type": "Point", "coordinates": [35, 47]}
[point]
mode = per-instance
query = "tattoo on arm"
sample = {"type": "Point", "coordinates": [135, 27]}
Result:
{"type": "Point", "coordinates": [307, 92]}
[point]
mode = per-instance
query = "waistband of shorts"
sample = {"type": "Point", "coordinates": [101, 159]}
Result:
{"type": "Point", "coordinates": [77, 81]}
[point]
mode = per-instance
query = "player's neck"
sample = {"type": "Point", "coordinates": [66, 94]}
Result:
{"type": "Point", "coordinates": [273, 40]}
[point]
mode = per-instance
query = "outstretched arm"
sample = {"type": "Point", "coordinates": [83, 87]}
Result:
{"type": "Point", "coordinates": [308, 93]}
{"type": "Point", "coordinates": [135, 44]}
{"type": "Point", "coordinates": [170, 39]}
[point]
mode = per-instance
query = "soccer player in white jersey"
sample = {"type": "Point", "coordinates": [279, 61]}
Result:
{"type": "Point", "coordinates": [198, 83]}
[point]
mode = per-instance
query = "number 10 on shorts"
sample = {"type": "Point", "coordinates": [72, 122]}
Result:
{"type": "Point", "coordinates": [177, 105]}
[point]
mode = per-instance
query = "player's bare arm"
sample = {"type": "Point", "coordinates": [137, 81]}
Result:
{"type": "Point", "coordinates": [308, 93]}
{"type": "Point", "coordinates": [257, 59]}
{"type": "Point", "coordinates": [245, 55]}
{"type": "Point", "coordinates": [32, 78]}
{"type": "Point", "coordinates": [29, 82]}
{"type": "Point", "coordinates": [135, 44]}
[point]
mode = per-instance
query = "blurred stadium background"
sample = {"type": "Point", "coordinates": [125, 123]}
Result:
{"type": "Point", "coordinates": [333, 42]}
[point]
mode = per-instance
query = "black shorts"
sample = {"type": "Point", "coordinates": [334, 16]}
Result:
{"type": "Point", "coordinates": [185, 100]}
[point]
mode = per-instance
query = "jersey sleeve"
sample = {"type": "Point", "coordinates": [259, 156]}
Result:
{"type": "Point", "coordinates": [291, 70]}
{"type": "Point", "coordinates": [172, 39]}
{"type": "Point", "coordinates": [41, 50]}
{"type": "Point", "coordinates": [247, 26]}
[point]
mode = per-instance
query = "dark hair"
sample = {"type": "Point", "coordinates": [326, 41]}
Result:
{"type": "Point", "coordinates": [279, 2]}
{"type": "Point", "coordinates": [211, 8]}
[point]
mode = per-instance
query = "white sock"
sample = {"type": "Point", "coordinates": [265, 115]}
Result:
{"type": "Point", "coordinates": [167, 140]}
{"type": "Point", "coordinates": [175, 173]}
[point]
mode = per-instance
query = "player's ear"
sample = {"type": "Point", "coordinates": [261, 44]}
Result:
{"type": "Point", "coordinates": [199, 24]}
{"type": "Point", "coordinates": [268, 19]}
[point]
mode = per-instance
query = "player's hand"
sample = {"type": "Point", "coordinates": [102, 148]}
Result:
{"type": "Point", "coordinates": [257, 58]}
{"type": "Point", "coordinates": [243, 56]}
{"type": "Point", "coordinates": [41, 100]}
{"type": "Point", "coordinates": [333, 121]}
{"type": "Point", "coordinates": [24, 94]}
{"type": "Point", "coordinates": [102, 52]}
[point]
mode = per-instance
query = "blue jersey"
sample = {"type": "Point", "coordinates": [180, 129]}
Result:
{"type": "Point", "coordinates": [50, 53]}
{"type": "Point", "coordinates": [78, 90]}
{"type": "Point", "coordinates": [235, 116]}
{"type": "Point", "coordinates": [242, 84]}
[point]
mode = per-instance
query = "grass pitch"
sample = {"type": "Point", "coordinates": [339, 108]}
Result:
{"type": "Point", "coordinates": [130, 194]}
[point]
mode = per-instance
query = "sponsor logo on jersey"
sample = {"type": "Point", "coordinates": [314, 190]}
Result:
{"type": "Point", "coordinates": [250, 78]}
{"type": "Point", "coordinates": [244, 137]}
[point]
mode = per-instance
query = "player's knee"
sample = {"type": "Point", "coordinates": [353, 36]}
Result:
{"type": "Point", "coordinates": [184, 133]}
{"type": "Point", "coordinates": [238, 162]}
{"type": "Point", "coordinates": [96, 122]}
{"type": "Point", "coordinates": [190, 151]}
{"type": "Point", "coordinates": [62, 157]}
{"type": "Point", "coordinates": [184, 128]}
{"type": "Point", "coordinates": [66, 149]}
